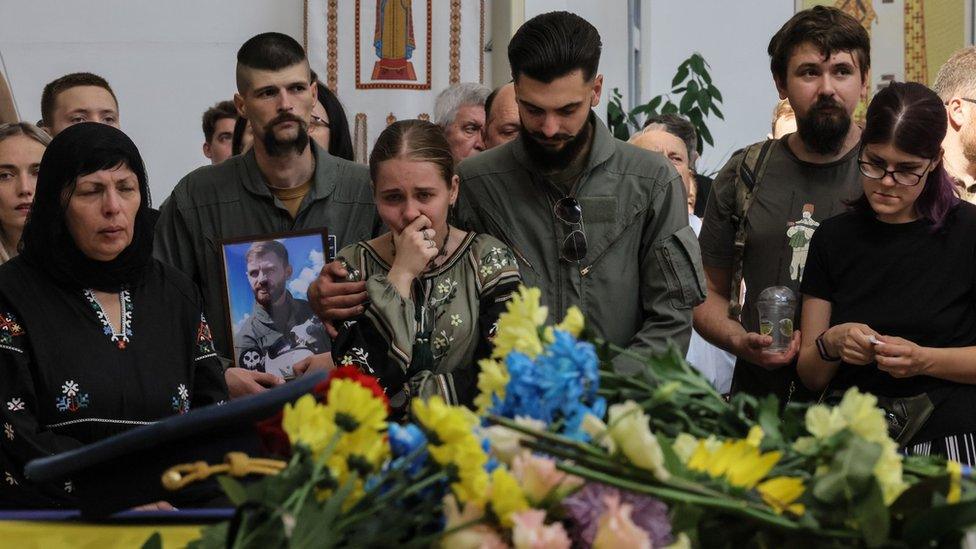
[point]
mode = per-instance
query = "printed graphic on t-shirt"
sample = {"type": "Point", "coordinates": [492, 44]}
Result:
{"type": "Point", "coordinates": [799, 233]}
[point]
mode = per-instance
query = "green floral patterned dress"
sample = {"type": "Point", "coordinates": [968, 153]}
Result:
{"type": "Point", "coordinates": [449, 321]}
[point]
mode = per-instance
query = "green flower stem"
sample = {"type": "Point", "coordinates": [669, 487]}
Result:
{"type": "Point", "coordinates": [409, 491]}
{"type": "Point", "coordinates": [428, 540]}
{"type": "Point", "coordinates": [695, 380]}
{"type": "Point", "coordinates": [545, 435]}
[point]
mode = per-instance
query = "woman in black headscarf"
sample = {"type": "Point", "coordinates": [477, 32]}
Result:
{"type": "Point", "coordinates": [96, 336]}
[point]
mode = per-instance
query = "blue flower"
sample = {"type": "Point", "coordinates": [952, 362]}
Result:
{"type": "Point", "coordinates": [406, 441]}
{"type": "Point", "coordinates": [560, 385]}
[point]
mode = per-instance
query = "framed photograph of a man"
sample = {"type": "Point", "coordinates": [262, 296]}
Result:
{"type": "Point", "coordinates": [265, 279]}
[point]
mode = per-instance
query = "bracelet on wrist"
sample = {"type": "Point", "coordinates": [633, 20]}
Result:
{"type": "Point", "coordinates": [822, 349]}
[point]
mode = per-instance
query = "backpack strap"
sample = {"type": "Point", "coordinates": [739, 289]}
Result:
{"type": "Point", "coordinates": [747, 177]}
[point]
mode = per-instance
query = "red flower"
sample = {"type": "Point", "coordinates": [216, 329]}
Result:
{"type": "Point", "coordinates": [352, 372]}
{"type": "Point", "coordinates": [273, 437]}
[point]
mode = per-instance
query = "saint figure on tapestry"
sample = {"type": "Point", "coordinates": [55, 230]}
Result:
{"type": "Point", "coordinates": [393, 40]}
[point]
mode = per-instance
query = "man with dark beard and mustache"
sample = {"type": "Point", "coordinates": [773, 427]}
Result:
{"type": "Point", "coordinates": [593, 222]}
{"type": "Point", "coordinates": [284, 183]}
{"type": "Point", "coordinates": [276, 313]}
{"type": "Point", "coordinates": [819, 60]}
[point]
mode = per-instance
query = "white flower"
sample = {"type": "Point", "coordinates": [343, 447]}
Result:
{"type": "Point", "coordinates": [184, 394]}
{"type": "Point", "coordinates": [68, 487]}
{"type": "Point", "coordinates": [10, 479]}
{"type": "Point", "coordinates": [8, 430]}
{"type": "Point", "coordinates": [456, 320]}
{"type": "Point", "coordinates": [628, 426]}
{"type": "Point", "coordinates": [15, 404]}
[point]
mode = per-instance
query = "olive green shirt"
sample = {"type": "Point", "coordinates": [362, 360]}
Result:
{"type": "Point", "coordinates": [232, 199]}
{"type": "Point", "coordinates": [641, 275]}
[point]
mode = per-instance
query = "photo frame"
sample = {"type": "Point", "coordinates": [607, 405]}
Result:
{"type": "Point", "coordinates": [265, 279]}
{"type": "Point", "coordinates": [393, 44]}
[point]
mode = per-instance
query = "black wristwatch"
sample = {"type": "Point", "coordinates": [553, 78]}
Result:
{"type": "Point", "coordinates": [822, 349]}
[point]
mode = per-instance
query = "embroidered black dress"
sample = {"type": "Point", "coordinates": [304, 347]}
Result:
{"type": "Point", "coordinates": [455, 306]}
{"type": "Point", "coordinates": [67, 379]}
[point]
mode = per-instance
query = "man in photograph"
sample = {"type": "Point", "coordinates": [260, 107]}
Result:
{"type": "Point", "coordinates": [281, 330]}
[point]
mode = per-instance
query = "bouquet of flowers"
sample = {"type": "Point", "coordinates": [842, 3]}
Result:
{"type": "Point", "coordinates": [564, 451]}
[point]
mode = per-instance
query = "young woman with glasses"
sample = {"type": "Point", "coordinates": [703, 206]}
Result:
{"type": "Point", "coordinates": [435, 291]}
{"type": "Point", "coordinates": [889, 288]}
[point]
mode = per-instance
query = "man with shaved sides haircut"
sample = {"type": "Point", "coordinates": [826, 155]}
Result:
{"type": "Point", "coordinates": [285, 182]}
{"type": "Point", "coordinates": [594, 222]}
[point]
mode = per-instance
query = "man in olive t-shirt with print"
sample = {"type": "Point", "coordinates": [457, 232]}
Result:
{"type": "Point", "coordinates": [808, 177]}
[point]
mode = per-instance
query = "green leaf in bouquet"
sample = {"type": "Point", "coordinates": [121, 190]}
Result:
{"type": "Point", "coordinates": [671, 460]}
{"type": "Point", "coordinates": [851, 472]}
{"type": "Point", "coordinates": [235, 491]}
{"type": "Point", "coordinates": [315, 524]}
{"type": "Point", "coordinates": [213, 537]}
{"type": "Point", "coordinates": [944, 524]}
{"type": "Point", "coordinates": [920, 496]}
{"type": "Point", "coordinates": [769, 419]}
{"type": "Point", "coordinates": [685, 518]}
{"type": "Point", "coordinates": [256, 528]}
{"type": "Point", "coordinates": [871, 516]}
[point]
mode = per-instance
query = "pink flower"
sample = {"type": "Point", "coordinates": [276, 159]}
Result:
{"type": "Point", "coordinates": [541, 480]}
{"type": "Point", "coordinates": [586, 508]}
{"type": "Point", "coordinates": [616, 529]}
{"type": "Point", "coordinates": [477, 536]}
{"type": "Point", "coordinates": [530, 532]}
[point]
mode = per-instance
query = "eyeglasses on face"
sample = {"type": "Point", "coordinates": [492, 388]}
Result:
{"type": "Point", "coordinates": [902, 177]}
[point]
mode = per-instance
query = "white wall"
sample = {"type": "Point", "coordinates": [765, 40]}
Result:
{"type": "Point", "coordinates": [167, 60]}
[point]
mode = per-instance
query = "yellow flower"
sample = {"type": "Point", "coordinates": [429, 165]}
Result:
{"type": "Point", "coordinates": [307, 423]}
{"type": "Point", "coordinates": [738, 462]}
{"type": "Point", "coordinates": [629, 430]}
{"type": "Point", "coordinates": [506, 496]}
{"type": "Point", "coordinates": [780, 493]}
{"type": "Point", "coordinates": [573, 323]}
{"type": "Point", "coordinates": [824, 422]}
{"type": "Point", "coordinates": [353, 407]}
{"type": "Point", "coordinates": [863, 416]}
{"type": "Point", "coordinates": [492, 381]}
{"type": "Point", "coordinates": [754, 467]}
{"type": "Point", "coordinates": [446, 423]}
{"type": "Point", "coordinates": [472, 482]}
{"type": "Point", "coordinates": [755, 436]}
{"type": "Point", "coordinates": [597, 430]}
{"type": "Point", "coordinates": [684, 446]}
{"type": "Point", "coordinates": [518, 327]}
{"type": "Point", "coordinates": [453, 445]}
{"type": "Point", "coordinates": [888, 471]}
{"type": "Point", "coordinates": [955, 481]}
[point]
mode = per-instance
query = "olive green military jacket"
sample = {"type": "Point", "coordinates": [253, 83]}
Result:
{"type": "Point", "coordinates": [232, 199]}
{"type": "Point", "coordinates": [642, 273]}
